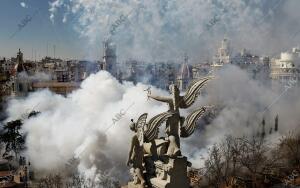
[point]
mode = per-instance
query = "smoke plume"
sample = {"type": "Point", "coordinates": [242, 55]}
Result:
{"type": "Point", "coordinates": [86, 125]}
{"type": "Point", "coordinates": [83, 124]}
{"type": "Point", "coordinates": [164, 30]}
{"type": "Point", "coordinates": [243, 104]}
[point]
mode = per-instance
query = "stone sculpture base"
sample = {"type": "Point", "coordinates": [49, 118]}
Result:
{"type": "Point", "coordinates": [172, 173]}
{"type": "Point", "coordinates": [132, 185]}
{"type": "Point", "coordinates": [165, 173]}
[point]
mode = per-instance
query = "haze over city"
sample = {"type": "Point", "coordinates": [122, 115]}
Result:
{"type": "Point", "coordinates": [160, 93]}
{"type": "Point", "coordinates": [78, 28]}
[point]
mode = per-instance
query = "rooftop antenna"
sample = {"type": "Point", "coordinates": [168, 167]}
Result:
{"type": "Point", "coordinates": [54, 50]}
{"type": "Point", "coordinates": [263, 133]}
{"type": "Point", "coordinates": [186, 58]}
{"type": "Point", "coordinates": [47, 49]}
{"type": "Point", "coordinates": [276, 123]}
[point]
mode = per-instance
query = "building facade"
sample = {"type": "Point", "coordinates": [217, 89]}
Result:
{"type": "Point", "coordinates": [285, 70]}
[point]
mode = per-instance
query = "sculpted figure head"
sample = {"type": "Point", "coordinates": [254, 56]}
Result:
{"type": "Point", "coordinates": [174, 89]}
{"type": "Point", "coordinates": [132, 126]}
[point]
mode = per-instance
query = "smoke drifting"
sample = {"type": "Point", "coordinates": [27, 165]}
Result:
{"type": "Point", "coordinates": [78, 125]}
{"type": "Point", "coordinates": [243, 103]}
{"type": "Point", "coordinates": [37, 76]}
{"type": "Point", "coordinates": [164, 30]}
{"type": "Point", "coordinates": [157, 30]}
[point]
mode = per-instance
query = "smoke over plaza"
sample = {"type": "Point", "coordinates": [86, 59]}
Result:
{"type": "Point", "coordinates": [131, 93]}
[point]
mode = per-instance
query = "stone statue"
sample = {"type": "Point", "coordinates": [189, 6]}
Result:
{"type": "Point", "coordinates": [175, 102]}
{"type": "Point", "coordinates": [158, 162]}
{"type": "Point", "coordinates": [136, 152]}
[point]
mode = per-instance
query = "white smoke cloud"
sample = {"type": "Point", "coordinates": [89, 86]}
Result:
{"type": "Point", "coordinates": [158, 30]}
{"type": "Point", "coordinates": [37, 76]}
{"type": "Point", "coordinates": [24, 5]}
{"type": "Point", "coordinates": [75, 126]}
{"type": "Point", "coordinates": [54, 6]}
{"type": "Point", "coordinates": [244, 102]}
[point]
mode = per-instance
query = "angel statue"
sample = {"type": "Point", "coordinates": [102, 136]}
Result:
{"type": "Point", "coordinates": [157, 162]}
{"type": "Point", "coordinates": [145, 132]}
{"type": "Point", "coordinates": [176, 125]}
{"type": "Point", "coordinates": [136, 153]}
{"type": "Point", "coordinates": [145, 145]}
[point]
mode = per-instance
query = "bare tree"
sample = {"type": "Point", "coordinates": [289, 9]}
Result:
{"type": "Point", "coordinates": [230, 149]}
{"type": "Point", "coordinates": [214, 167]}
{"type": "Point", "coordinates": [51, 181]}
{"type": "Point", "coordinates": [289, 148]}
{"type": "Point", "coordinates": [252, 157]}
{"type": "Point", "coordinates": [77, 181]}
{"type": "Point", "coordinates": [232, 162]}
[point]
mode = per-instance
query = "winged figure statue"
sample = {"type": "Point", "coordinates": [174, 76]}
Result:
{"type": "Point", "coordinates": [157, 156]}
{"type": "Point", "coordinates": [175, 102]}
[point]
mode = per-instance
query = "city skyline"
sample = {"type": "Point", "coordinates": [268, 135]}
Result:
{"type": "Point", "coordinates": [210, 89]}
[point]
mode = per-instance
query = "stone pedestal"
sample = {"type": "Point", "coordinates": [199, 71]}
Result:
{"type": "Point", "coordinates": [132, 185]}
{"type": "Point", "coordinates": [165, 172]}
{"type": "Point", "coordinates": [171, 173]}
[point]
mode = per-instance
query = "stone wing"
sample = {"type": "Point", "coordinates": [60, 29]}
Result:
{"type": "Point", "coordinates": [192, 92]}
{"type": "Point", "coordinates": [190, 122]}
{"type": "Point", "coordinates": [140, 125]}
{"type": "Point", "coordinates": [153, 125]}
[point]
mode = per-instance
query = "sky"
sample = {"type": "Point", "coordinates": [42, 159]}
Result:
{"type": "Point", "coordinates": [35, 35]}
{"type": "Point", "coordinates": [157, 30]}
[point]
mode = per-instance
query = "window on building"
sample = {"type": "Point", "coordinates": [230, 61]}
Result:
{"type": "Point", "coordinates": [20, 87]}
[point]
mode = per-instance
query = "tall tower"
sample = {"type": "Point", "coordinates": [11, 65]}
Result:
{"type": "Point", "coordinates": [224, 52]}
{"type": "Point", "coordinates": [20, 62]}
{"type": "Point", "coordinates": [184, 74]}
{"type": "Point", "coordinates": [110, 57]}
{"type": "Point", "coordinates": [20, 85]}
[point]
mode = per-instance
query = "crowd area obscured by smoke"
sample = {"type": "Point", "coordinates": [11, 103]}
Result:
{"type": "Point", "coordinates": [164, 30]}
{"type": "Point", "coordinates": [82, 125]}
{"type": "Point", "coordinates": [78, 125]}
{"type": "Point", "coordinates": [37, 76]}
{"type": "Point", "coordinates": [243, 104]}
